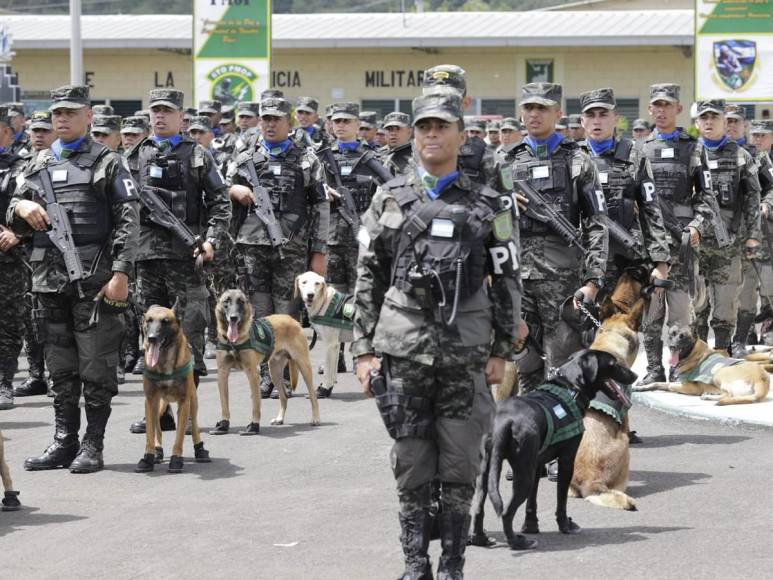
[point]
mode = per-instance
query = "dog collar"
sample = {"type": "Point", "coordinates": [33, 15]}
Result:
{"type": "Point", "coordinates": [178, 373]}
{"type": "Point", "coordinates": [261, 339]}
{"type": "Point", "coordinates": [339, 313]}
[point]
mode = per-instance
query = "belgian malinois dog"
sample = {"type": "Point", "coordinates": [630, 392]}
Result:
{"type": "Point", "coordinates": [10, 500]}
{"type": "Point", "coordinates": [168, 378]}
{"type": "Point", "coordinates": [239, 348]}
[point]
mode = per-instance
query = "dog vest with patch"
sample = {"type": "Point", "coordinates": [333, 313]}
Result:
{"type": "Point", "coordinates": [261, 339]}
{"type": "Point", "coordinates": [562, 414]}
{"type": "Point", "coordinates": [612, 407]}
{"type": "Point", "coordinates": [705, 371]}
{"type": "Point", "coordinates": [339, 313]}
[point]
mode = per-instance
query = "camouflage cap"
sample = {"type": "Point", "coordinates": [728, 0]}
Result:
{"type": "Point", "coordinates": [144, 113]}
{"type": "Point", "coordinates": [272, 94]}
{"type": "Point", "coordinates": [328, 112]}
{"type": "Point", "coordinates": [228, 114]}
{"type": "Point", "coordinates": [307, 104]}
{"type": "Point", "coordinates": [664, 92]}
{"type": "Point", "coordinates": [380, 129]}
{"type": "Point", "coordinates": [275, 107]}
{"type": "Point", "coordinates": [548, 94]}
{"type": "Point", "coordinates": [369, 119]}
{"type": "Point", "coordinates": [444, 106]}
{"type": "Point", "coordinates": [575, 121]}
{"type": "Point", "coordinates": [344, 111]}
{"type": "Point", "coordinates": [639, 124]}
{"type": "Point", "coordinates": [135, 124]}
{"type": "Point", "coordinates": [475, 124]}
{"type": "Point", "coordinates": [189, 113]}
{"type": "Point", "coordinates": [444, 75]}
{"type": "Point", "coordinates": [735, 112]}
{"type": "Point", "coordinates": [510, 124]}
{"type": "Point", "coordinates": [210, 107]}
{"type": "Point", "coordinates": [710, 106]}
{"type": "Point", "coordinates": [106, 124]}
{"type": "Point", "coordinates": [69, 97]}
{"type": "Point", "coordinates": [41, 120]}
{"type": "Point", "coordinates": [171, 98]}
{"type": "Point", "coordinates": [761, 126]}
{"type": "Point", "coordinates": [5, 115]}
{"type": "Point", "coordinates": [562, 123]}
{"type": "Point", "coordinates": [103, 110]}
{"type": "Point", "coordinates": [598, 99]}
{"type": "Point", "coordinates": [397, 119]}
{"type": "Point", "coordinates": [200, 123]}
{"type": "Point", "coordinates": [248, 109]}
{"type": "Point", "coordinates": [15, 109]}
{"type": "Point", "coordinates": [493, 126]}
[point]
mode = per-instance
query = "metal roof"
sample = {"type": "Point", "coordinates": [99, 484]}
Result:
{"type": "Point", "coordinates": [429, 29]}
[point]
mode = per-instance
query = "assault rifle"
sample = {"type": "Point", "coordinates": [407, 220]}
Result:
{"type": "Point", "coordinates": [347, 209]}
{"type": "Point", "coordinates": [60, 233]}
{"type": "Point", "coordinates": [622, 237]}
{"type": "Point", "coordinates": [161, 214]}
{"type": "Point", "coordinates": [264, 209]}
{"type": "Point", "coordinates": [720, 230]}
{"type": "Point", "coordinates": [540, 210]}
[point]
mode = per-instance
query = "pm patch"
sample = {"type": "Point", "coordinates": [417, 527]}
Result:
{"type": "Point", "coordinates": [503, 226]}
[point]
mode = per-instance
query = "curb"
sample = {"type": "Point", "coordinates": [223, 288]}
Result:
{"type": "Point", "coordinates": [705, 412]}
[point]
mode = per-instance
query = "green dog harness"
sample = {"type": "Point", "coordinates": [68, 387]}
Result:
{"type": "Point", "coordinates": [611, 407]}
{"type": "Point", "coordinates": [704, 372]}
{"type": "Point", "coordinates": [176, 374]}
{"type": "Point", "coordinates": [261, 339]}
{"type": "Point", "coordinates": [563, 416]}
{"type": "Point", "coordinates": [339, 313]}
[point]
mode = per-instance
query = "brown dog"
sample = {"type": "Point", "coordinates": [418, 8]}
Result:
{"type": "Point", "coordinates": [10, 500]}
{"type": "Point", "coordinates": [709, 373]}
{"type": "Point", "coordinates": [243, 343]}
{"type": "Point", "coordinates": [168, 378]}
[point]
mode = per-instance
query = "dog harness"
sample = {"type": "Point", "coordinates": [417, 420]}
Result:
{"type": "Point", "coordinates": [611, 407]}
{"type": "Point", "coordinates": [338, 314]}
{"type": "Point", "coordinates": [562, 414]}
{"type": "Point", "coordinates": [261, 339]}
{"type": "Point", "coordinates": [705, 371]}
{"type": "Point", "coordinates": [176, 374]}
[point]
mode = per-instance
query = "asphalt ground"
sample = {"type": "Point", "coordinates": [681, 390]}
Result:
{"type": "Point", "coordinates": [300, 502]}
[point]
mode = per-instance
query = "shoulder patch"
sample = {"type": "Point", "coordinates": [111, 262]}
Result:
{"type": "Point", "coordinates": [502, 226]}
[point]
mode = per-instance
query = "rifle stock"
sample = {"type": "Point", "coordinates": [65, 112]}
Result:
{"type": "Point", "coordinates": [347, 209]}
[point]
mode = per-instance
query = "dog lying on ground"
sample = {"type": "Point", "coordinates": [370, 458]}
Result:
{"type": "Point", "coordinates": [710, 374]}
{"type": "Point", "coordinates": [543, 425]}
{"type": "Point", "coordinates": [244, 342]}
{"type": "Point", "coordinates": [11, 498]}
{"type": "Point", "coordinates": [331, 314]}
{"type": "Point", "coordinates": [168, 378]}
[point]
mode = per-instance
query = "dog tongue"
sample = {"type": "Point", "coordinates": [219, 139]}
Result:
{"type": "Point", "coordinates": [233, 332]}
{"type": "Point", "coordinates": [673, 360]}
{"type": "Point", "coordinates": [152, 353]}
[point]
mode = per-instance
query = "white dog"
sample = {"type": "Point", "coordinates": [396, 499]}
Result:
{"type": "Point", "coordinates": [331, 314]}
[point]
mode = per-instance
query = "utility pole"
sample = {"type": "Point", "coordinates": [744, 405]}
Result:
{"type": "Point", "coordinates": [76, 44]}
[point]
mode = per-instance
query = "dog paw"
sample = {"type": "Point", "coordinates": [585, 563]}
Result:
{"type": "Point", "coordinates": [251, 429]}
{"type": "Point", "coordinates": [200, 454]}
{"type": "Point", "coordinates": [530, 527]}
{"type": "Point", "coordinates": [175, 464]}
{"type": "Point", "coordinates": [519, 542]}
{"type": "Point", "coordinates": [221, 427]}
{"type": "Point", "coordinates": [567, 526]}
{"type": "Point", "coordinates": [158, 455]}
{"type": "Point", "coordinates": [11, 501]}
{"type": "Point", "coordinates": [277, 421]}
{"type": "Point", "coordinates": [145, 464]}
{"type": "Point", "coordinates": [315, 422]}
{"type": "Point", "coordinates": [481, 540]}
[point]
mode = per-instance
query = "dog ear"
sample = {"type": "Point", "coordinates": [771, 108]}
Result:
{"type": "Point", "coordinates": [296, 287]}
{"type": "Point", "coordinates": [177, 308]}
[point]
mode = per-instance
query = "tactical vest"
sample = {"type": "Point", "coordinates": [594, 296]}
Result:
{"type": "Point", "coordinates": [553, 179]}
{"type": "Point", "coordinates": [705, 371]}
{"type": "Point", "coordinates": [471, 159]}
{"type": "Point", "coordinates": [87, 208]}
{"type": "Point", "coordinates": [618, 182]}
{"type": "Point", "coordinates": [173, 171]}
{"type": "Point", "coordinates": [563, 416]}
{"type": "Point", "coordinates": [725, 174]}
{"type": "Point", "coordinates": [356, 177]}
{"type": "Point", "coordinates": [6, 186]}
{"type": "Point", "coordinates": [670, 162]}
{"type": "Point", "coordinates": [428, 250]}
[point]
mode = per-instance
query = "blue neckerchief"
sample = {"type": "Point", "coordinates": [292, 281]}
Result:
{"type": "Point", "coordinates": [60, 148]}
{"type": "Point", "coordinates": [741, 142]}
{"type": "Point", "coordinates": [544, 148]}
{"type": "Point", "coordinates": [434, 186]}
{"type": "Point", "coordinates": [309, 129]}
{"type": "Point", "coordinates": [668, 136]}
{"type": "Point", "coordinates": [601, 147]}
{"type": "Point", "coordinates": [216, 131]}
{"type": "Point", "coordinates": [348, 145]}
{"type": "Point", "coordinates": [2, 150]}
{"type": "Point", "coordinates": [276, 149]}
{"type": "Point", "coordinates": [168, 142]}
{"type": "Point", "coordinates": [19, 135]}
{"type": "Point", "coordinates": [712, 145]}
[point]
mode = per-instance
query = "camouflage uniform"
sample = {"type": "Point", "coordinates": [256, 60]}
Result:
{"type": "Point", "coordinates": [437, 406]}
{"type": "Point", "coordinates": [399, 161]}
{"type": "Point", "coordinates": [165, 267]}
{"type": "Point", "coordinates": [734, 182]}
{"type": "Point", "coordinates": [22, 146]}
{"type": "Point", "coordinates": [551, 270]}
{"type": "Point", "coordinates": [94, 186]}
{"type": "Point", "coordinates": [314, 136]}
{"type": "Point", "coordinates": [223, 142]}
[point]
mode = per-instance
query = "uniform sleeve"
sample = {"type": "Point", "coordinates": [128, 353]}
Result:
{"type": "Point", "coordinates": [656, 237]}
{"type": "Point", "coordinates": [215, 198]}
{"type": "Point", "coordinates": [751, 190]}
{"type": "Point", "coordinates": [378, 226]}
{"type": "Point", "coordinates": [765, 173]}
{"type": "Point", "coordinates": [320, 206]}
{"type": "Point", "coordinates": [125, 210]}
{"type": "Point", "coordinates": [24, 190]}
{"type": "Point", "coordinates": [595, 235]}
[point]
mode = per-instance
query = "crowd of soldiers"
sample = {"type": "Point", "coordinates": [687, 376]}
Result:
{"type": "Point", "coordinates": [457, 240]}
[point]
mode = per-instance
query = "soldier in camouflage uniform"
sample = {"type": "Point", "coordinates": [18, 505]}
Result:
{"type": "Point", "coordinates": [101, 110]}
{"type": "Point", "coordinates": [735, 119]}
{"type": "Point", "coordinates": [437, 360]}
{"type": "Point", "coordinates": [134, 130]}
{"type": "Point", "coordinates": [399, 154]}
{"type": "Point", "coordinates": [762, 138]}
{"type": "Point", "coordinates": [295, 182]}
{"type": "Point", "coordinates": [494, 135]}
{"type": "Point", "coordinates": [669, 150]}
{"type": "Point", "coordinates": [145, 114]}
{"type": "Point", "coordinates": [368, 129]}
{"type": "Point", "coordinates": [106, 130]}
{"type": "Point", "coordinates": [510, 136]}
{"type": "Point", "coordinates": [225, 142]}
{"type": "Point", "coordinates": [248, 114]}
{"type": "Point", "coordinates": [576, 130]}
{"type": "Point", "coordinates": [476, 129]}
{"type": "Point", "coordinates": [194, 190]}
{"type": "Point", "coordinates": [188, 114]}
{"type": "Point", "coordinates": [13, 273]}
{"type": "Point", "coordinates": [551, 269]}
{"type": "Point", "coordinates": [310, 130]}
{"type": "Point", "coordinates": [640, 129]}
{"type": "Point", "coordinates": [82, 319]}
{"type": "Point", "coordinates": [730, 174]}
{"type": "Point", "coordinates": [228, 121]}
{"type": "Point", "coordinates": [41, 131]}
{"type": "Point", "coordinates": [562, 127]}
{"type": "Point", "coordinates": [21, 144]}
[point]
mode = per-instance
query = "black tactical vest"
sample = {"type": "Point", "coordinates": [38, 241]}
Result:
{"type": "Point", "coordinates": [553, 179]}
{"type": "Point", "coordinates": [471, 159]}
{"type": "Point", "coordinates": [87, 208]}
{"type": "Point", "coordinates": [725, 174]}
{"type": "Point", "coordinates": [618, 182]}
{"type": "Point", "coordinates": [670, 162]}
{"type": "Point", "coordinates": [355, 176]}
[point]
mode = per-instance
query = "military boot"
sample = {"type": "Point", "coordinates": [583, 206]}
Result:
{"type": "Point", "coordinates": [89, 459]}
{"type": "Point", "coordinates": [266, 386]}
{"type": "Point", "coordinates": [743, 327]}
{"type": "Point", "coordinates": [454, 528]}
{"type": "Point", "coordinates": [653, 346]}
{"type": "Point", "coordinates": [341, 359]}
{"type": "Point", "coordinates": [722, 339]}
{"type": "Point", "coordinates": [7, 370]}
{"type": "Point", "coordinates": [415, 536]}
{"type": "Point", "coordinates": [139, 367]}
{"type": "Point", "coordinates": [35, 383]}
{"type": "Point", "coordinates": [67, 421]}
{"type": "Point", "coordinates": [702, 330]}
{"type": "Point", "coordinates": [166, 420]}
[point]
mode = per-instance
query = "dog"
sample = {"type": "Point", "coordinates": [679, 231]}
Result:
{"type": "Point", "coordinates": [710, 374]}
{"type": "Point", "coordinates": [521, 430]}
{"type": "Point", "coordinates": [331, 314]}
{"type": "Point", "coordinates": [11, 501]}
{"type": "Point", "coordinates": [168, 378]}
{"type": "Point", "coordinates": [244, 343]}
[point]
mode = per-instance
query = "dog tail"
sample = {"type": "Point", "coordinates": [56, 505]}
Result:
{"type": "Point", "coordinates": [614, 499]}
{"type": "Point", "coordinates": [502, 434]}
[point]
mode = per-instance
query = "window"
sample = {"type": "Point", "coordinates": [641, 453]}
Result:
{"type": "Point", "coordinates": [381, 106]}
{"type": "Point", "coordinates": [503, 107]}
{"type": "Point", "coordinates": [627, 111]}
{"type": "Point", "coordinates": [125, 108]}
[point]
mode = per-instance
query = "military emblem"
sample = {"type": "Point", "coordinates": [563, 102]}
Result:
{"type": "Point", "coordinates": [232, 83]}
{"type": "Point", "coordinates": [506, 176]}
{"type": "Point", "coordinates": [440, 75]}
{"type": "Point", "coordinates": [503, 226]}
{"type": "Point", "coordinates": [348, 311]}
{"type": "Point", "coordinates": [734, 63]}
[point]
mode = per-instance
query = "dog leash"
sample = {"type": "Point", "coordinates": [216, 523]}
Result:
{"type": "Point", "coordinates": [580, 297]}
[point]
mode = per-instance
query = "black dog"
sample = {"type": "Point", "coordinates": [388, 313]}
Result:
{"type": "Point", "coordinates": [520, 435]}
